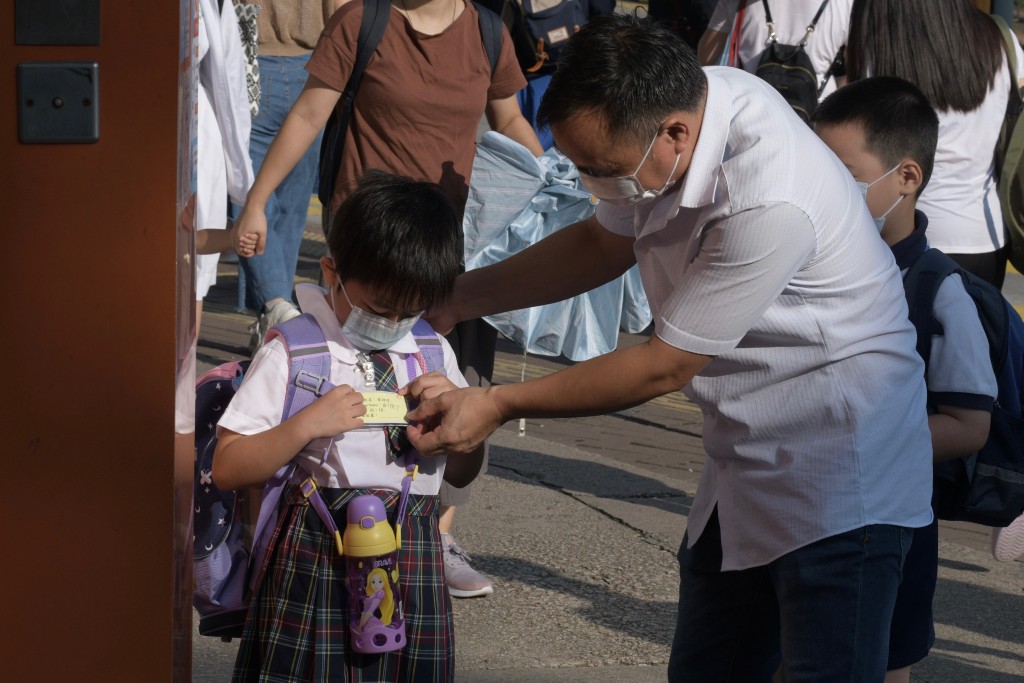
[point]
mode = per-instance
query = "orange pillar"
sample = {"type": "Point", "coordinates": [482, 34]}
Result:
{"type": "Point", "coordinates": [96, 293]}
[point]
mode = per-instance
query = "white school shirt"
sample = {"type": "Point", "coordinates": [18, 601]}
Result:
{"type": "Point", "coordinates": [767, 258]}
{"type": "Point", "coordinates": [359, 458]}
{"type": "Point", "coordinates": [792, 18]}
{"type": "Point", "coordinates": [960, 200]}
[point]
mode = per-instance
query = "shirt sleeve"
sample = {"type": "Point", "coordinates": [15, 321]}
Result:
{"type": "Point", "coordinates": [259, 403]}
{"type": "Point", "coordinates": [334, 54]}
{"type": "Point", "coordinates": [743, 264]}
{"type": "Point", "coordinates": [723, 16]}
{"type": "Point", "coordinates": [959, 368]}
{"type": "Point", "coordinates": [507, 78]}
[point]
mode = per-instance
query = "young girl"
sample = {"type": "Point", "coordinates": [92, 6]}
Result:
{"type": "Point", "coordinates": [395, 248]}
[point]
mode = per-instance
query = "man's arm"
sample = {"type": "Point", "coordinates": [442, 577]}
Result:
{"type": "Point", "coordinates": [458, 421]}
{"type": "Point", "coordinates": [574, 260]}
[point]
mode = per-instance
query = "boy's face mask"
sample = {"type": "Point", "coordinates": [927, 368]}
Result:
{"type": "Point", "coordinates": [627, 190]}
{"type": "Point", "coordinates": [368, 331]}
{"type": "Point", "coordinates": [880, 221]}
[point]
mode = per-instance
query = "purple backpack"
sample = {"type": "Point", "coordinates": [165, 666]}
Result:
{"type": "Point", "coordinates": [227, 564]}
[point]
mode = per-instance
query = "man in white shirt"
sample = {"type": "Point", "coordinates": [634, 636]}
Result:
{"type": "Point", "coordinates": [780, 312]}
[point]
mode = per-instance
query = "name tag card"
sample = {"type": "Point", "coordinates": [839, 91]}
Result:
{"type": "Point", "coordinates": [384, 408]}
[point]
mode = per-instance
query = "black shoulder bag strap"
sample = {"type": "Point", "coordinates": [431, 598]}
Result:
{"type": "Point", "coordinates": [772, 37]}
{"type": "Point", "coordinates": [371, 30]}
{"type": "Point", "coordinates": [490, 34]}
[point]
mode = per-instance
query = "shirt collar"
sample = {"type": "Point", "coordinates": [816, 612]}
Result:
{"type": "Point", "coordinates": [313, 300]}
{"type": "Point", "coordinates": [701, 180]}
{"type": "Point", "coordinates": [908, 249]}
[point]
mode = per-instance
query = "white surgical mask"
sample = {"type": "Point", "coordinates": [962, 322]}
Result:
{"type": "Point", "coordinates": [370, 332]}
{"type": "Point", "coordinates": [626, 190]}
{"type": "Point", "coordinates": [880, 221]}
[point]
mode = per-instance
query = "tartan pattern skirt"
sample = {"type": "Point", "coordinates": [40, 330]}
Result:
{"type": "Point", "coordinates": [297, 626]}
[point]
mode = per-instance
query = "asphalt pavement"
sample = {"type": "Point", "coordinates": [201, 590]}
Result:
{"type": "Point", "coordinates": [578, 523]}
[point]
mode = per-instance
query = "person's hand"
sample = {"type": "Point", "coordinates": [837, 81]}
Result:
{"type": "Point", "coordinates": [188, 214]}
{"type": "Point", "coordinates": [442, 317]}
{"type": "Point", "coordinates": [243, 243]}
{"type": "Point", "coordinates": [339, 410]}
{"type": "Point", "coordinates": [253, 224]}
{"type": "Point", "coordinates": [452, 422]}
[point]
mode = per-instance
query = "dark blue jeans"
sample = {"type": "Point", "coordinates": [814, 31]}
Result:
{"type": "Point", "coordinates": [826, 607]}
{"type": "Point", "coordinates": [272, 275]}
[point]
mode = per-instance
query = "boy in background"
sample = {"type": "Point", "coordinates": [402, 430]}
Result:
{"type": "Point", "coordinates": [884, 131]}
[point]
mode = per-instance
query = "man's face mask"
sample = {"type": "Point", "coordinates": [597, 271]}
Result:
{"type": "Point", "coordinates": [627, 190]}
{"type": "Point", "coordinates": [880, 221]}
{"type": "Point", "coordinates": [370, 332]}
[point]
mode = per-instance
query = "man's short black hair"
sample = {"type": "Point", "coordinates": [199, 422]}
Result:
{"type": "Point", "coordinates": [399, 236]}
{"type": "Point", "coordinates": [630, 71]}
{"type": "Point", "coordinates": [898, 121]}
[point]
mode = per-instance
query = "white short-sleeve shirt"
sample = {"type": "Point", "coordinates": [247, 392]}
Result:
{"type": "Point", "coordinates": [359, 458]}
{"type": "Point", "coordinates": [961, 200]}
{"type": "Point", "coordinates": [767, 258]}
{"type": "Point", "coordinates": [791, 19]}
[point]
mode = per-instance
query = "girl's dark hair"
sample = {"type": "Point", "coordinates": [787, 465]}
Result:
{"type": "Point", "coordinates": [630, 71]}
{"type": "Point", "coordinates": [897, 119]}
{"type": "Point", "coordinates": [399, 236]}
{"type": "Point", "coordinates": [949, 49]}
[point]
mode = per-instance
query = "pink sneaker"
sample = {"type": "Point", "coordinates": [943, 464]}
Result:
{"type": "Point", "coordinates": [1008, 542]}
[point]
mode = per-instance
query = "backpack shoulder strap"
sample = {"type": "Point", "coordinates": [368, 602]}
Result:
{"type": "Point", "coordinates": [371, 30]}
{"type": "Point", "coordinates": [920, 285]}
{"type": "Point", "coordinates": [490, 34]}
{"type": "Point", "coordinates": [1011, 54]}
{"type": "Point", "coordinates": [430, 348]}
{"type": "Point", "coordinates": [309, 362]}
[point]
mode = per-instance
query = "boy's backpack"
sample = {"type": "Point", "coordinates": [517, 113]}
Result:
{"type": "Point", "coordinates": [228, 553]}
{"type": "Point", "coordinates": [1010, 157]}
{"type": "Point", "coordinates": [371, 30]}
{"type": "Point", "coordinates": [789, 70]}
{"type": "Point", "coordinates": [986, 487]}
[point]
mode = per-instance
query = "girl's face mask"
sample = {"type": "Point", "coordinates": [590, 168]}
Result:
{"type": "Point", "coordinates": [368, 331]}
{"type": "Point", "coordinates": [627, 190]}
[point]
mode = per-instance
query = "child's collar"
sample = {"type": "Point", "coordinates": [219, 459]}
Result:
{"type": "Point", "coordinates": [908, 249]}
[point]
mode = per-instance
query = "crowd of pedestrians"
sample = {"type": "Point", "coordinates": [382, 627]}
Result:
{"type": "Point", "coordinates": [771, 253]}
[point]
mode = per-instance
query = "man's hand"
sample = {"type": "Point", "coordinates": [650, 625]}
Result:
{"type": "Point", "coordinates": [454, 422]}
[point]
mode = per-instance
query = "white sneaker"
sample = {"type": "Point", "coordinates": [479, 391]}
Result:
{"type": "Point", "coordinates": [463, 581]}
{"type": "Point", "coordinates": [1008, 542]}
{"type": "Point", "coordinates": [275, 315]}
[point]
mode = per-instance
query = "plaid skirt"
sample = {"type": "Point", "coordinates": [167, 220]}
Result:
{"type": "Point", "coordinates": [297, 626]}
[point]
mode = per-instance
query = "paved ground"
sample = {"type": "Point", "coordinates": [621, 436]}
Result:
{"type": "Point", "coordinates": [578, 522]}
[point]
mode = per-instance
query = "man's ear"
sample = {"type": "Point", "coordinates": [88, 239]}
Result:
{"type": "Point", "coordinates": [327, 266]}
{"type": "Point", "coordinates": [681, 127]}
{"type": "Point", "coordinates": [910, 176]}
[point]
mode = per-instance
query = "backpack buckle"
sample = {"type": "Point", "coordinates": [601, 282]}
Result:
{"type": "Point", "coordinates": [308, 487]}
{"type": "Point", "coordinates": [310, 382]}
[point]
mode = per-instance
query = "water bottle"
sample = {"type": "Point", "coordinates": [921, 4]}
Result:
{"type": "Point", "coordinates": [376, 621]}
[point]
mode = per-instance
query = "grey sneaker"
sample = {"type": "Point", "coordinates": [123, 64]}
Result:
{"type": "Point", "coordinates": [275, 315]}
{"type": "Point", "coordinates": [463, 580]}
{"type": "Point", "coordinates": [1008, 542]}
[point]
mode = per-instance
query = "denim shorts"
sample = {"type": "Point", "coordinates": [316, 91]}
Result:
{"type": "Point", "coordinates": [824, 610]}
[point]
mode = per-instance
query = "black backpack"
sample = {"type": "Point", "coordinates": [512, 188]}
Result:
{"type": "Point", "coordinates": [788, 68]}
{"type": "Point", "coordinates": [371, 30]}
{"type": "Point", "coordinates": [986, 487]}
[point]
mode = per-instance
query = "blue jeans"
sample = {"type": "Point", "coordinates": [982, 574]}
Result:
{"type": "Point", "coordinates": [826, 607]}
{"type": "Point", "coordinates": [272, 275]}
